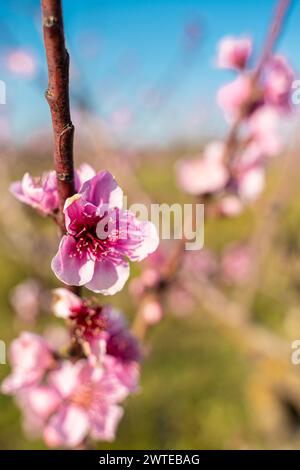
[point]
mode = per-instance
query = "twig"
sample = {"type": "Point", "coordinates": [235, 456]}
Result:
{"type": "Point", "coordinates": [57, 96]}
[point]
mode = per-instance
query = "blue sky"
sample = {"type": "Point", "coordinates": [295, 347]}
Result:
{"type": "Point", "coordinates": [122, 49]}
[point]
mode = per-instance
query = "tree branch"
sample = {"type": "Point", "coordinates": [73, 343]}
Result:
{"type": "Point", "coordinates": [57, 96]}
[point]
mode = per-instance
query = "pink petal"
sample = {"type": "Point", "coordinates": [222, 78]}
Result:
{"type": "Point", "coordinates": [234, 52]}
{"type": "Point", "coordinates": [64, 301]}
{"type": "Point", "coordinates": [84, 173]}
{"type": "Point", "coordinates": [70, 267]}
{"type": "Point", "coordinates": [67, 428]}
{"type": "Point", "coordinates": [67, 378]}
{"type": "Point", "coordinates": [43, 401]}
{"type": "Point", "coordinates": [149, 244]}
{"type": "Point", "coordinates": [234, 95]}
{"type": "Point", "coordinates": [252, 184]}
{"type": "Point", "coordinates": [109, 277]}
{"type": "Point", "coordinates": [105, 423]}
{"type": "Point", "coordinates": [103, 189]}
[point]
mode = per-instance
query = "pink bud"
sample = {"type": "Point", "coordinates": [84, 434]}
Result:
{"type": "Point", "coordinates": [152, 312]}
{"type": "Point", "coordinates": [234, 52]}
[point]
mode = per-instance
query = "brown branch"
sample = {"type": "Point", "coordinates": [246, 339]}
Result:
{"type": "Point", "coordinates": [57, 96]}
{"type": "Point", "coordinates": [273, 35]}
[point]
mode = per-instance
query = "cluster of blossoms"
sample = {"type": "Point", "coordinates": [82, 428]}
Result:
{"type": "Point", "coordinates": [75, 394]}
{"type": "Point", "coordinates": [68, 400]}
{"type": "Point", "coordinates": [234, 172]}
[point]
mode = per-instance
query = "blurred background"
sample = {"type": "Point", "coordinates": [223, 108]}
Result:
{"type": "Point", "coordinates": [143, 95]}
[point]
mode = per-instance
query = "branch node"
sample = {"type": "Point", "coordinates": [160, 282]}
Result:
{"type": "Point", "coordinates": [50, 21]}
{"type": "Point", "coordinates": [64, 176]}
{"type": "Point", "coordinates": [48, 94]}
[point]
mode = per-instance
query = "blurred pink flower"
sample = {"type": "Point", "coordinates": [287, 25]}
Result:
{"type": "Point", "coordinates": [25, 299]}
{"type": "Point", "coordinates": [251, 183]}
{"type": "Point", "coordinates": [30, 357]}
{"type": "Point", "coordinates": [206, 174]}
{"type": "Point", "coordinates": [236, 264]}
{"type": "Point", "coordinates": [152, 312]}
{"type": "Point", "coordinates": [100, 237]}
{"type": "Point", "coordinates": [230, 206]}
{"type": "Point", "coordinates": [234, 52]}
{"type": "Point", "coordinates": [21, 63]}
{"type": "Point", "coordinates": [263, 129]}
{"type": "Point", "coordinates": [92, 323]}
{"type": "Point", "coordinates": [180, 301]}
{"type": "Point", "coordinates": [66, 400]}
{"type": "Point", "coordinates": [233, 96]}
{"type": "Point", "coordinates": [76, 401]}
{"type": "Point", "coordinates": [278, 83]}
{"type": "Point", "coordinates": [201, 263]}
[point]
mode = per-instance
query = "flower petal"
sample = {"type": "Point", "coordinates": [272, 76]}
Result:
{"type": "Point", "coordinates": [150, 241]}
{"type": "Point", "coordinates": [71, 267]}
{"type": "Point", "coordinates": [109, 277]}
{"type": "Point", "coordinates": [103, 189]}
{"type": "Point", "coordinates": [83, 174]}
{"type": "Point", "coordinates": [67, 428]}
{"type": "Point", "coordinates": [105, 422]}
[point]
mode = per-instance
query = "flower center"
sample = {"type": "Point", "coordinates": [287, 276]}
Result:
{"type": "Point", "coordinates": [84, 396]}
{"type": "Point", "coordinates": [87, 242]}
{"type": "Point", "coordinates": [88, 321]}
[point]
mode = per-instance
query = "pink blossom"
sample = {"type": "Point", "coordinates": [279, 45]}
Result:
{"type": "Point", "coordinates": [77, 400]}
{"type": "Point", "coordinates": [202, 264]}
{"type": "Point", "coordinates": [25, 299]}
{"type": "Point", "coordinates": [236, 264]}
{"type": "Point", "coordinates": [152, 312]}
{"type": "Point", "coordinates": [278, 82]}
{"type": "Point", "coordinates": [107, 333]}
{"type": "Point", "coordinates": [41, 192]}
{"type": "Point", "coordinates": [251, 183]}
{"type": "Point", "coordinates": [30, 357]}
{"type": "Point", "coordinates": [204, 175]}
{"type": "Point", "coordinates": [21, 63]}
{"type": "Point", "coordinates": [180, 302]}
{"type": "Point", "coordinates": [230, 206]}
{"type": "Point", "coordinates": [263, 129]}
{"type": "Point", "coordinates": [100, 237]}
{"type": "Point", "coordinates": [87, 320]}
{"type": "Point", "coordinates": [234, 96]}
{"type": "Point", "coordinates": [234, 52]}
